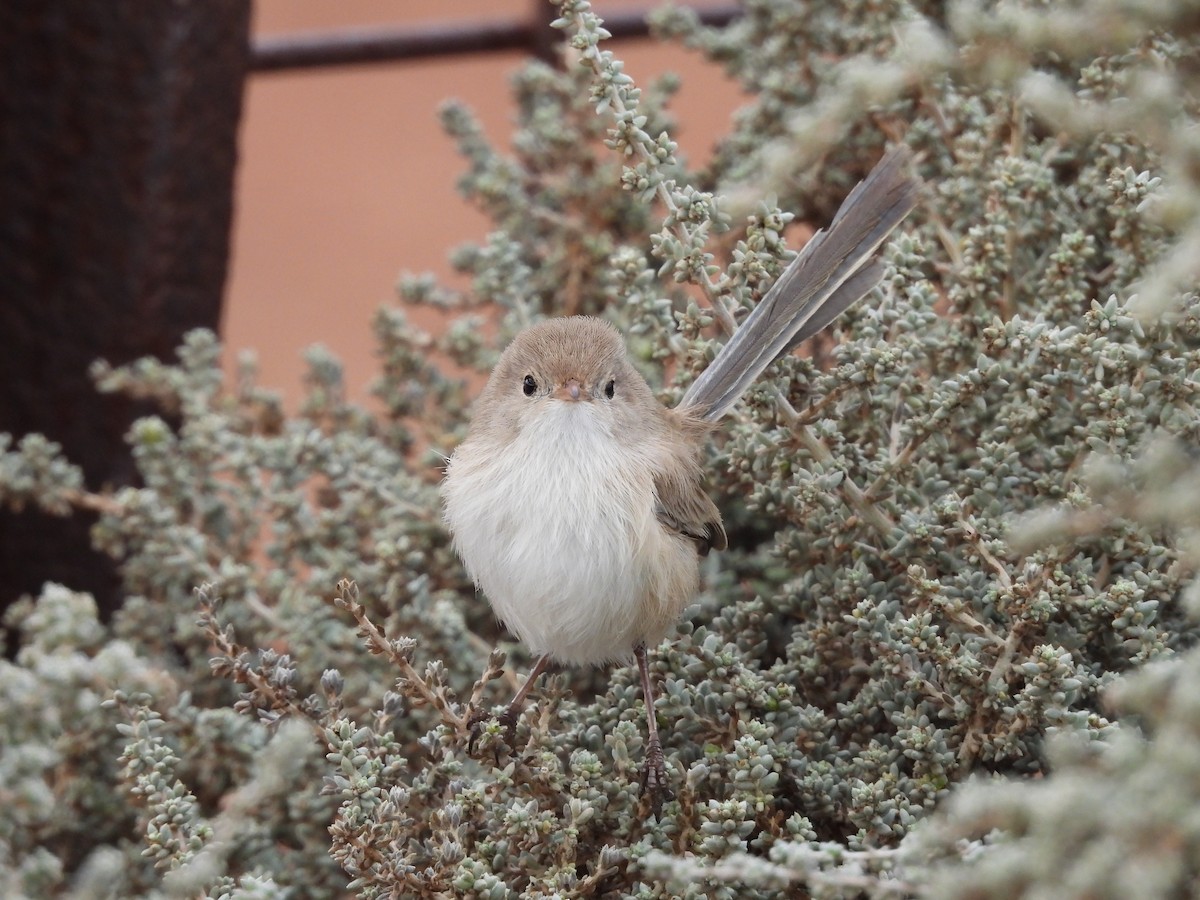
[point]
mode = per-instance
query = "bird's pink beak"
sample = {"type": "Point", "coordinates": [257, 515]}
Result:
{"type": "Point", "coordinates": [571, 389]}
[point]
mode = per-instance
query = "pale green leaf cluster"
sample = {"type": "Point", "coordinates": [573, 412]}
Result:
{"type": "Point", "coordinates": [950, 649]}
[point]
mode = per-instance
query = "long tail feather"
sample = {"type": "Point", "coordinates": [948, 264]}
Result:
{"type": "Point", "coordinates": [835, 270]}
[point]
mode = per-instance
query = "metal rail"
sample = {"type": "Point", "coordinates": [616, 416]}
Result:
{"type": "Point", "coordinates": [360, 46]}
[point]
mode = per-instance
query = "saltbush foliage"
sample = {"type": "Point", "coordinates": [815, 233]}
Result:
{"type": "Point", "coordinates": [948, 651]}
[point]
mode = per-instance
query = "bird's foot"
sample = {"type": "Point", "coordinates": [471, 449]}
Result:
{"type": "Point", "coordinates": [654, 777]}
{"type": "Point", "coordinates": [507, 720]}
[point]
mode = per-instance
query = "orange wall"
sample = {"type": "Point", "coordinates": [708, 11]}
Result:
{"type": "Point", "coordinates": [346, 180]}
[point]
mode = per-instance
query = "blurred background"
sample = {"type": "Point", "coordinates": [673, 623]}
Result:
{"type": "Point", "coordinates": [161, 170]}
{"type": "Point", "coordinates": [345, 178]}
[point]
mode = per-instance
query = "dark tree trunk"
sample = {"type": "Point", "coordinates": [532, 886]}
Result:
{"type": "Point", "coordinates": [118, 125]}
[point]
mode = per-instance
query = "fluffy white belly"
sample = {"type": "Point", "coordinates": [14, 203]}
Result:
{"type": "Point", "coordinates": [560, 532]}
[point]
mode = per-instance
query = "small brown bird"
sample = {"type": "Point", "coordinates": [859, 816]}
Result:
{"type": "Point", "coordinates": [577, 501]}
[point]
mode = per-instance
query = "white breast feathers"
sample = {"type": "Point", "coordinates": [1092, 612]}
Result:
{"type": "Point", "coordinates": [559, 531]}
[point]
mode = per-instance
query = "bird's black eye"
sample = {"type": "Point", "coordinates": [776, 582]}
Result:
{"type": "Point", "coordinates": [529, 386]}
{"type": "Point", "coordinates": [610, 389]}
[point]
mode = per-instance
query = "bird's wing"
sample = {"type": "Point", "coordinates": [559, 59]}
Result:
{"type": "Point", "coordinates": [684, 507]}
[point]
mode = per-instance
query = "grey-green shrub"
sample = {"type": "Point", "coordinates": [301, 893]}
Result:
{"type": "Point", "coordinates": [955, 524]}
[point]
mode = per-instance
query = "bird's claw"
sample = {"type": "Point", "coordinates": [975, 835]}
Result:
{"type": "Point", "coordinates": [476, 721]}
{"type": "Point", "coordinates": [654, 778]}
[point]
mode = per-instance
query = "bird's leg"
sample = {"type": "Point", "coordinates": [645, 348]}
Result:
{"type": "Point", "coordinates": [654, 769]}
{"type": "Point", "coordinates": [512, 712]}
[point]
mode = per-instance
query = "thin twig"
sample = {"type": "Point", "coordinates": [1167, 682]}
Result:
{"type": "Point", "coordinates": [399, 652]}
{"type": "Point", "coordinates": [870, 513]}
